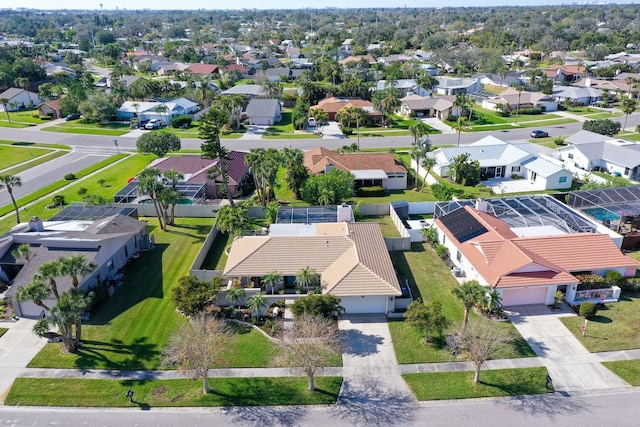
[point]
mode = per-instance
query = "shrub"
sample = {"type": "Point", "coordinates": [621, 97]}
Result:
{"type": "Point", "coordinates": [614, 278]}
{"type": "Point", "coordinates": [559, 141]}
{"type": "Point", "coordinates": [441, 192]}
{"type": "Point", "coordinates": [606, 127]}
{"type": "Point", "coordinates": [181, 121]}
{"type": "Point", "coordinates": [441, 250]}
{"type": "Point", "coordinates": [82, 191]}
{"type": "Point", "coordinates": [533, 111]}
{"type": "Point", "coordinates": [318, 305]}
{"type": "Point", "coordinates": [588, 310]}
{"type": "Point", "coordinates": [193, 295]}
{"type": "Point", "coordinates": [374, 191]}
{"type": "Point", "coordinates": [70, 176]}
{"type": "Point", "coordinates": [226, 129]}
{"type": "Point", "coordinates": [347, 131]}
{"type": "Point", "coordinates": [515, 176]}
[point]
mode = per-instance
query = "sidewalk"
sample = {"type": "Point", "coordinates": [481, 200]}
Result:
{"type": "Point", "coordinates": [46, 124]}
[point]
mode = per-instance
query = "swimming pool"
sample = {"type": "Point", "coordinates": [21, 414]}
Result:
{"type": "Point", "coordinates": [602, 214]}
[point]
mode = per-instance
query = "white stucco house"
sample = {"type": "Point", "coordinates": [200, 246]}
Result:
{"type": "Point", "coordinates": [19, 99]}
{"type": "Point", "coordinates": [165, 111]}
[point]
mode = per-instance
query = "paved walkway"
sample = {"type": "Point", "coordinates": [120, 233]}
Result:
{"type": "Point", "coordinates": [570, 365]}
{"type": "Point", "coordinates": [569, 115]}
{"type": "Point", "coordinates": [46, 124]}
{"type": "Point", "coordinates": [17, 347]}
{"type": "Point", "coordinates": [438, 125]}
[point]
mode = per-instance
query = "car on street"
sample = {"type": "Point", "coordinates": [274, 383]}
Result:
{"type": "Point", "coordinates": [311, 122]}
{"type": "Point", "coordinates": [153, 124]}
{"type": "Point", "coordinates": [539, 134]}
{"type": "Point", "coordinates": [74, 116]}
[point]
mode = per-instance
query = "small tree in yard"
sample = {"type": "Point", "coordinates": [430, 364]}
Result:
{"type": "Point", "coordinates": [311, 345]}
{"type": "Point", "coordinates": [257, 304]}
{"type": "Point", "coordinates": [318, 305]}
{"type": "Point", "coordinates": [158, 143]}
{"type": "Point", "coordinates": [480, 341]}
{"type": "Point", "coordinates": [192, 295]}
{"type": "Point", "coordinates": [230, 220]}
{"type": "Point", "coordinates": [235, 295]}
{"type": "Point", "coordinates": [606, 127]}
{"type": "Point", "coordinates": [471, 294]}
{"type": "Point", "coordinates": [428, 317]}
{"type": "Point", "coordinates": [197, 346]}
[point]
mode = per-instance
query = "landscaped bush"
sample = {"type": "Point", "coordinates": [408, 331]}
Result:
{"type": "Point", "coordinates": [347, 131]}
{"type": "Point", "coordinates": [559, 141]}
{"type": "Point", "coordinates": [318, 305]}
{"type": "Point", "coordinates": [593, 281]}
{"type": "Point", "coordinates": [193, 295]}
{"type": "Point", "coordinates": [588, 310]}
{"type": "Point", "coordinates": [181, 121]}
{"type": "Point", "coordinates": [614, 278]}
{"type": "Point", "coordinates": [631, 284]}
{"type": "Point", "coordinates": [515, 176]}
{"type": "Point", "coordinates": [70, 176]}
{"type": "Point", "coordinates": [374, 191]}
{"type": "Point", "coordinates": [533, 111]}
{"type": "Point", "coordinates": [441, 192]}
{"type": "Point", "coordinates": [441, 250]}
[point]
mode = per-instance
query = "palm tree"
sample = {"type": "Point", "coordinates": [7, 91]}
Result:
{"type": "Point", "coordinates": [67, 312]}
{"type": "Point", "coordinates": [5, 103]}
{"type": "Point", "coordinates": [519, 88]}
{"type": "Point", "coordinates": [148, 184]}
{"type": "Point", "coordinates": [427, 164]}
{"type": "Point", "coordinates": [174, 177]}
{"type": "Point", "coordinates": [629, 105]}
{"type": "Point", "coordinates": [11, 181]}
{"type": "Point", "coordinates": [419, 150]}
{"type": "Point", "coordinates": [23, 82]}
{"type": "Point", "coordinates": [22, 251]}
{"type": "Point", "coordinates": [386, 101]}
{"type": "Point", "coordinates": [306, 277]}
{"type": "Point", "coordinates": [471, 294]}
{"type": "Point", "coordinates": [162, 109]}
{"type": "Point", "coordinates": [235, 295]}
{"type": "Point", "coordinates": [50, 271]}
{"type": "Point", "coordinates": [76, 266]}
{"type": "Point", "coordinates": [36, 291]}
{"type": "Point", "coordinates": [271, 278]}
{"type": "Point", "coordinates": [256, 304]}
{"type": "Point", "coordinates": [458, 128]}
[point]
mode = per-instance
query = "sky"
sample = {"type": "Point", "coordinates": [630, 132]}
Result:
{"type": "Point", "coordinates": [277, 4]}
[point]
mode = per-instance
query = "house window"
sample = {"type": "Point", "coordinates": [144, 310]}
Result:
{"type": "Point", "coordinates": [563, 179]}
{"type": "Point", "coordinates": [459, 256]}
{"type": "Point", "coordinates": [126, 252]}
{"type": "Point", "coordinates": [570, 156]}
{"type": "Point", "coordinates": [626, 171]}
{"type": "Point", "coordinates": [515, 168]}
{"type": "Point", "coordinates": [110, 264]}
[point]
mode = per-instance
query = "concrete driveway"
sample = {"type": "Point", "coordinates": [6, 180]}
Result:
{"type": "Point", "coordinates": [254, 132]}
{"type": "Point", "coordinates": [570, 365]}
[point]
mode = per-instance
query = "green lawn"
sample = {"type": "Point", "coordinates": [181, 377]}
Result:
{"type": "Point", "coordinates": [216, 258]}
{"type": "Point", "coordinates": [87, 130]}
{"type": "Point", "coordinates": [13, 155]}
{"type": "Point", "coordinates": [182, 392]}
{"type": "Point", "coordinates": [113, 176]}
{"type": "Point", "coordinates": [386, 224]}
{"type": "Point", "coordinates": [13, 125]}
{"type": "Point", "coordinates": [39, 161]}
{"type": "Point", "coordinates": [634, 255]}
{"type": "Point", "coordinates": [31, 117]}
{"type": "Point", "coordinates": [615, 328]}
{"type": "Point", "coordinates": [628, 370]}
{"type": "Point", "coordinates": [430, 279]}
{"type": "Point", "coordinates": [459, 385]}
{"type": "Point", "coordinates": [3, 331]}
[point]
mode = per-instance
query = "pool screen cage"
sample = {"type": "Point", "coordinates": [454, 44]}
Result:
{"type": "Point", "coordinates": [129, 193]}
{"type": "Point", "coordinates": [613, 207]}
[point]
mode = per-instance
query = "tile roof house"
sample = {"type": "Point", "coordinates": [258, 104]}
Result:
{"type": "Point", "coordinates": [529, 268]}
{"type": "Point", "coordinates": [351, 259]}
{"type": "Point", "coordinates": [51, 109]}
{"type": "Point", "coordinates": [147, 110]}
{"type": "Point", "coordinates": [426, 106]}
{"type": "Point", "coordinates": [18, 99]}
{"type": "Point", "coordinates": [588, 151]}
{"type": "Point", "coordinates": [249, 90]}
{"type": "Point", "coordinates": [109, 242]}
{"type": "Point", "coordinates": [369, 169]}
{"type": "Point", "coordinates": [203, 69]}
{"type": "Point", "coordinates": [195, 170]}
{"type": "Point", "coordinates": [513, 98]}
{"type": "Point", "coordinates": [334, 104]}
{"type": "Point", "coordinates": [500, 159]}
{"type": "Point", "coordinates": [264, 112]}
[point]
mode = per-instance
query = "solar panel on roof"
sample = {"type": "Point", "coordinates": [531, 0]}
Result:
{"type": "Point", "coordinates": [463, 225]}
{"type": "Point", "coordinates": [92, 213]}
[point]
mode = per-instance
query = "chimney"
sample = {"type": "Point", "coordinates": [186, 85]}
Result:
{"type": "Point", "coordinates": [344, 213]}
{"type": "Point", "coordinates": [35, 224]}
{"type": "Point", "coordinates": [481, 205]}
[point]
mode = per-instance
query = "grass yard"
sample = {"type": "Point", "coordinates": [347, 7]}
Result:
{"type": "Point", "coordinates": [628, 370]}
{"type": "Point", "coordinates": [615, 328]}
{"type": "Point", "coordinates": [31, 117]}
{"type": "Point", "coordinates": [430, 279]}
{"type": "Point", "coordinates": [216, 258]}
{"type": "Point", "coordinates": [113, 176]}
{"type": "Point", "coordinates": [3, 331]}
{"type": "Point", "coordinates": [130, 330]}
{"type": "Point", "coordinates": [182, 392]}
{"type": "Point", "coordinates": [459, 385]}
{"type": "Point", "coordinates": [38, 161]}
{"type": "Point", "coordinates": [386, 224]}
{"type": "Point", "coordinates": [13, 125]}
{"type": "Point", "coordinates": [14, 155]}
{"type": "Point", "coordinates": [90, 128]}
{"type": "Point", "coordinates": [634, 255]}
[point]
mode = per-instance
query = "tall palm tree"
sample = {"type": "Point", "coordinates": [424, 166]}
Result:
{"type": "Point", "coordinates": [386, 101]}
{"type": "Point", "coordinates": [471, 294]}
{"type": "Point", "coordinates": [419, 150]}
{"type": "Point", "coordinates": [162, 109]}
{"type": "Point", "coordinates": [11, 181]}
{"type": "Point", "coordinates": [271, 278]}
{"type": "Point", "coordinates": [23, 83]}
{"type": "Point", "coordinates": [5, 103]}
{"type": "Point", "coordinates": [235, 295]}
{"type": "Point", "coordinates": [36, 291]}
{"type": "Point", "coordinates": [629, 105]}
{"type": "Point", "coordinates": [256, 304]}
{"type": "Point", "coordinates": [75, 266]}
{"type": "Point", "coordinates": [22, 251]}
{"type": "Point", "coordinates": [306, 277]}
{"type": "Point", "coordinates": [67, 312]}
{"type": "Point", "coordinates": [174, 177]}
{"type": "Point", "coordinates": [427, 164]}
{"type": "Point", "coordinates": [50, 271]}
{"type": "Point", "coordinates": [519, 88]}
{"type": "Point", "coordinates": [149, 184]}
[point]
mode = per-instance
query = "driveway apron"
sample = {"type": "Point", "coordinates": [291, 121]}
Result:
{"type": "Point", "coordinates": [570, 365]}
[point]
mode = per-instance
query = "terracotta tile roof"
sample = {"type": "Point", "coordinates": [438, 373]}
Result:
{"type": "Point", "coordinates": [195, 167]}
{"type": "Point", "coordinates": [203, 69]}
{"type": "Point", "coordinates": [505, 260]}
{"type": "Point", "coordinates": [352, 259]}
{"type": "Point", "coordinates": [335, 104]}
{"type": "Point", "coordinates": [316, 161]}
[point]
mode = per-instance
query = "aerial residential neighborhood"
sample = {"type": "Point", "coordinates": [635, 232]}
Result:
{"type": "Point", "coordinates": [367, 216]}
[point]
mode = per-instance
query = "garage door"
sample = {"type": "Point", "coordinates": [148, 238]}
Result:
{"type": "Point", "coordinates": [367, 304]}
{"type": "Point", "coordinates": [524, 296]}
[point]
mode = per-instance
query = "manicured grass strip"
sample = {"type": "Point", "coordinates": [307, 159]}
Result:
{"type": "Point", "coordinates": [183, 392]}
{"type": "Point", "coordinates": [36, 144]}
{"type": "Point", "coordinates": [25, 116]}
{"type": "Point", "coordinates": [3, 331]}
{"type": "Point", "coordinates": [13, 125]}
{"type": "Point", "coordinates": [216, 258]}
{"type": "Point", "coordinates": [628, 370]}
{"type": "Point", "coordinates": [11, 156]}
{"type": "Point", "coordinates": [40, 160]}
{"type": "Point", "coordinates": [459, 385]}
{"type": "Point", "coordinates": [615, 328]}
{"type": "Point", "coordinates": [60, 183]}
{"type": "Point", "coordinates": [85, 131]}
{"type": "Point", "coordinates": [386, 224]}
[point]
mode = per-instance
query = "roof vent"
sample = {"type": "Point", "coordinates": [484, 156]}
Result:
{"type": "Point", "coordinates": [35, 224]}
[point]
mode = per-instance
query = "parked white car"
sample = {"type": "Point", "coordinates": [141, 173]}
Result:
{"type": "Point", "coordinates": [311, 122]}
{"type": "Point", "coordinates": [153, 124]}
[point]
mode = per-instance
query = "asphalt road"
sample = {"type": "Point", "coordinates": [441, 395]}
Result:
{"type": "Point", "coordinates": [35, 178]}
{"type": "Point", "coordinates": [612, 409]}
